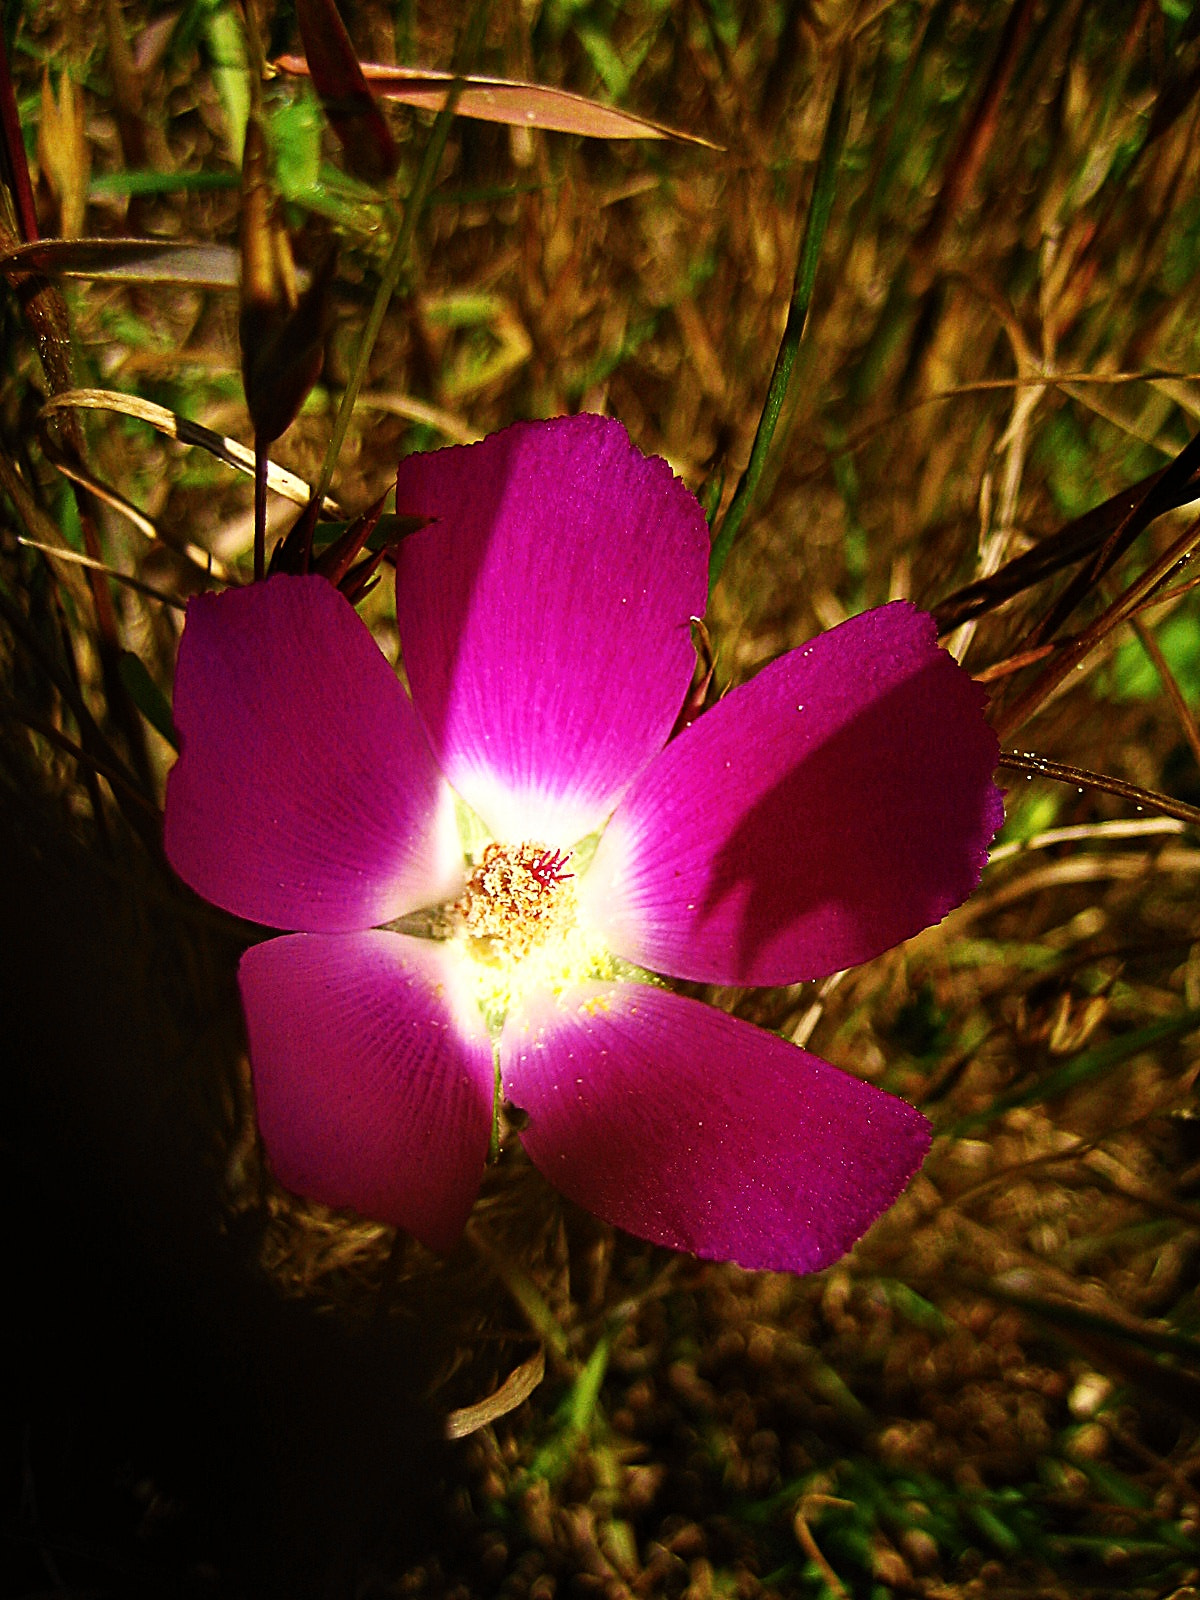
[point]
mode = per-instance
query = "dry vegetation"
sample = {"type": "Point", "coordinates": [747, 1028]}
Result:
{"type": "Point", "coordinates": [223, 1391]}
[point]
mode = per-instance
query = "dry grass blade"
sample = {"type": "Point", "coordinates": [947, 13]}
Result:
{"type": "Point", "coordinates": [203, 560]}
{"type": "Point", "coordinates": [1080, 538]}
{"type": "Point", "coordinates": [1183, 712]}
{"type": "Point", "coordinates": [120, 782]}
{"type": "Point", "coordinates": [1175, 487]}
{"type": "Point", "coordinates": [64, 154]}
{"type": "Point", "coordinates": [1090, 832]}
{"type": "Point", "coordinates": [520, 105]}
{"type": "Point", "coordinates": [978, 132]}
{"type": "Point", "coordinates": [514, 1391]}
{"type": "Point", "coordinates": [79, 559]}
{"type": "Point", "coordinates": [1083, 871]}
{"type": "Point", "coordinates": [199, 266]}
{"type": "Point", "coordinates": [447, 423]}
{"type": "Point", "coordinates": [94, 752]}
{"type": "Point", "coordinates": [1120, 1336]}
{"type": "Point", "coordinates": [230, 451]}
{"type": "Point", "coordinates": [1073, 655]}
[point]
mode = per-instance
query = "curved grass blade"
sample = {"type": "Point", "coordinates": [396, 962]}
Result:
{"type": "Point", "coordinates": [514, 1391]}
{"type": "Point", "coordinates": [233, 454]}
{"type": "Point", "coordinates": [509, 101]}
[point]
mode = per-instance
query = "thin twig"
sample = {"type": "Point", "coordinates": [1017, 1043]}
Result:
{"type": "Point", "coordinates": [1183, 713]}
{"type": "Point", "coordinates": [1036, 766]}
{"type": "Point", "coordinates": [80, 560]}
{"type": "Point", "coordinates": [119, 783]}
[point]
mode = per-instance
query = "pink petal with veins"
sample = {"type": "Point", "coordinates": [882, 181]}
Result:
{"type": "Point", "coordinates": [305, 795]}
{"type": "Point", "coordinates": [685, 1126]}
{"type": "Point", "coordinates": [373, 1080]}
{"type": "Point", "coordinates": [830, 808]}
{"type": "Point", "coordinates": [544, 615]}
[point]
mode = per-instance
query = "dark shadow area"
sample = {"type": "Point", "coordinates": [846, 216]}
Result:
{"type": "Point", "coordinates": [176, 1424]}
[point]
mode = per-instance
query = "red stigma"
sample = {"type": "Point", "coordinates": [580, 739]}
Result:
{"type": "Point", "coordinates": [548, 868]}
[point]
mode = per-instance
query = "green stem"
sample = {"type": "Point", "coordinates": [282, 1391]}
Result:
{"type": "Point", "coordinates": [819, 208]}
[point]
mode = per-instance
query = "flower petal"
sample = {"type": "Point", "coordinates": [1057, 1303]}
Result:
{"type": "Point", "coordinates": [373, 1085]}
{"type": "Point", "coordinates": [545, 617]}
{"type": "Point", "coordinates": [685, 1126]}
{"type": "Point", "coordinates": [306, 796]}
{"type": "Point", "coordinates": [818, 815]}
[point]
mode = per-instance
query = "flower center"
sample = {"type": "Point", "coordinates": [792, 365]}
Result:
{"type": "Point", "coordinates": [517, 899]}
{"type": "Point", "coordinates": [517, 929]}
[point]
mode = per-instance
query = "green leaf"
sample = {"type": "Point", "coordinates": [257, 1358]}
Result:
{"type": "Point", "coordinates": [147, 696]}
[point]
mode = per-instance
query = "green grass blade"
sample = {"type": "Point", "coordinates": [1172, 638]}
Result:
{"type": "Point", "coordinates": [147, 696]}
{"type": "Point", "coordinates": [1092, 1064]}
{"type": "Point", "coordinates": [819, 208]}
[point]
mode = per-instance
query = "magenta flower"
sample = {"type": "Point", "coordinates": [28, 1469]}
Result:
{"type": "Point", "coordinates": [485, 874]}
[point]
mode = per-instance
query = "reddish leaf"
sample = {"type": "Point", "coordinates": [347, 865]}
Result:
{"type": "Point", "coordinates": [282, 333]}
{"type": "Point", "coordinates": [353, 114]}
{"type": "Point", "coordinates": [521, 105]}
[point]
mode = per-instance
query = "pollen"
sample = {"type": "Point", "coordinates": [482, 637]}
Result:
{"type": "Point", "coordinates": [518, 931]}
{"type": "Point", "coordinates": [518, 899]}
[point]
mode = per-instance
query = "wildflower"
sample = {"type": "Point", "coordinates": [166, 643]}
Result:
{"type": "Point", "coordinates": [819, 814]}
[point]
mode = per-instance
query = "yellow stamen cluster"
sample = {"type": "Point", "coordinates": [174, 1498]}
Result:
{"type": "Point", "coordinates": [519, 932]}
{"type": "Point", "coordinates": [518, 898]}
